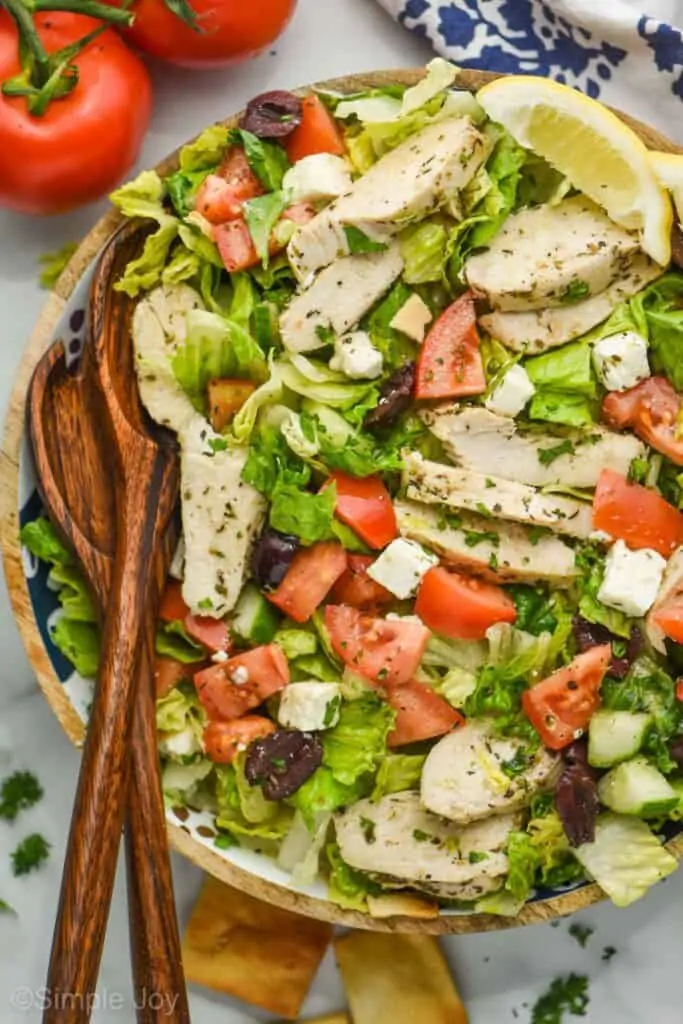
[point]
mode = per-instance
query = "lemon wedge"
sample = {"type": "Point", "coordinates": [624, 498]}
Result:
{"type": "Point", "coordinates": [669, 170]}
{"type": "Point", "coordinates": [598, 153]}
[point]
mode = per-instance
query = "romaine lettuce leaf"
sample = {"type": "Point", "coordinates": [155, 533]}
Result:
{"type": "Point", "coordinates": [648, 687]}
{"type": "Point", "coordinates": [74, 595]}
{"type": "Point", "coordinates": [395, 347]}
{"type": "Point", "coordinates": [306, 515]}
{"type": "Point", "coordinates": [398, 772]}
{"type": "Point", "coordinates": [357, 744]}
{"type": "Point", "coordinates": [146, 271]}
{"type": "Point", "coordinates": [242, 809]}
{"type": "Point", "coordinates": [173, 641]}
{"type": "Point", "coordinates": [261, 215]}
{"type": "Point", "coordinates": [207, 150]}
{"type": "Point", "coordinates": [268, 160]}
{"type": "Point", "coordinates": [301, 848]}
{"type": "Point", "coordinates": [268, 394]}
{"type": "Point", "coordinates": [179, 710]}
{"type": "Point", "coordinates": [522, 865]}
{"type": "Point", "coordinates": [322, 793]}
{"type": "Point", "coordinates": [42, 540]}
{"type": "Point", "coordinates": [79, 643]}
{"type": "Point", "coordinates": [348, 888]}
{"type": "Point", "coordinates": [215, 347]}
{"type": "Point", "coordinates": [625, 859]}
{"type": "Point", "coordinates": [590, 560]}
{"type": "Point", "coordinates": [423, 248]}
{"type": "Point", "coordinates": [566, 386]}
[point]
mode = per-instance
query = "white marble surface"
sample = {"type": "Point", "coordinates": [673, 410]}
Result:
{"type": "Point", "coordinates": [499, 975]}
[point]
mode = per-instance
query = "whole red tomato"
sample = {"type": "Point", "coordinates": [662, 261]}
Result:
{"type": "Point", "coordinates": [229, 30]}
{"type": "Point", "coordinates": [85, 143]}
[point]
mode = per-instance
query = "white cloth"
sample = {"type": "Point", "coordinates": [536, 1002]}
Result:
{"type": "Point", "coordinates": [610, 49]}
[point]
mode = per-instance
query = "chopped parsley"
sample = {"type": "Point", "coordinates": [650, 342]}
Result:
{"type": "Point", "coordinates": [421, 837]}
{"type": "Point", "coordinates": [358, 241]}
{"type": "Point", "coordinates": [517, 764]}
{"type": "Point", "coordinates": [5, 908]}
{"type": "Point", "coordinates": [575, 291]}
{"type": "Point", "coordinates": [324, 334]}
{"type": "Point", "coordinates": [217, 444]}
{"type": "Point", "coordinates": [474, 537]}
{"type": "Point", "coordinates": [581, 932]}
{"type": "Point", "coordinates": [474, 857]}
{"type": "Point", "coordinates": [331, 711]}
{"type": "Point", "coordinates": [224, 841]}
{"type": "Point", "coordinates": [206, 604]}
{"type": "Point", "coordinates": [493, 561]}
{"type": "Point", "coordinates": [607, 953]}
{"type": "Point", "coordinates": [565, 995]}
{"type": "Point", "coordinates": [536, 532]}
{"type": "Point", "coordinates": [546, 456]}
{"type": "Point", "coordinates": [30, 854]}
{"type": "Point", "coordinates": [483, 510]}
{"type": "Point", "coordinates": [368, 828]}
{"type": "Point", "coordinates": [19, 792]}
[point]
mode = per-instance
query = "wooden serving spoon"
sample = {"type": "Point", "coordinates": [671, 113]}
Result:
{"type": "Point", "coordinates": [73, 452]}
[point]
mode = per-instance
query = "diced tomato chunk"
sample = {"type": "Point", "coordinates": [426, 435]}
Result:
{"type": "Point", "coordinates": [230, 689]}
{"type": "Point", "coordinates": [387, 651]}
{"type": "Point", "coordinates": [638, 516]}
{"type": "Point", "coordinates": [421, 714]}
{"type": "Point", "coordinates": [225, 740]}
{"type": "Point", "coordinates": [317, 133]}
{"type": "Point", "coordinates": [221, 195]}
{"type": "Point", "coordinates": [235, 245]}
{"type": "Point", "coordinates": [211, 632]}
{"type": "Point", "coordinates": [561, 706]}
{"type": "Point", "coordinates": [679, 690]}
{"type": "Point", "coordinates": [356, 588]}
{"type": "Point", "coordinates": [299, 213]}
{"type": "Point", "coordinates": [309, 579]}
{"type": "Point", "coordinates": [449, 364]}
{"type": "Point", "coordinates": [168, 673]}
{"type": "Point", "coordinates": [461, 607]}
{"type": "Point", "coordinates": [669, 617]}
{"type": "Point", "coordinates": [652, 409]}
{"type": "Point", "coordinates": [364, 504]}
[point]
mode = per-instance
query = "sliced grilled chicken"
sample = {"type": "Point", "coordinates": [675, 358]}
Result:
{"type": "Point", "coordinates": [672, 585]}
{"type": "Point", "coordinates": [547, 255]}
{"type": "Point", "coordinates": [540, 330]}
{"type": "Point", "coordinates": [159, 328]}
{"type": "Point", "coordinates": [478, 439]}
{"type": "Point", "coordinates": [406, 184]}
{"type": "Point", "coordinates": [435, 484]}
{"type": "Point", "coordinates": [338, 298]}
{"type": "Point", "coordinates": [502, 552]}
{"type": "Point", "coordinates": [221, 517]}
{"type": "Point", "coordinates": [463, 778]}
{"type": "Point", "coordinates": [400, 844]}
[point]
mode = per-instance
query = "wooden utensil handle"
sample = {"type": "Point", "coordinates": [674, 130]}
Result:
{"type": "Point", "coordinates": [99, 806]}
{"type": "Point", "coordinates": [159, 982]}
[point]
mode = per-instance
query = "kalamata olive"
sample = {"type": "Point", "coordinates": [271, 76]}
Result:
{"type": "Point", "coordinates": [676, 751]}
{"type": "Point", "coordinates": [577, 753]}
{"type": "Point", "coordinates": [273, 115]}
{"type": "Point", "coordinates": [272, 558]}
{"type": "Point", "coordinates": [396, 395]}
{"type": "Point", "coordinates": [576, 799]}
{"type": "Point", "coordinates": [281, 763]}
{"type": "Point", "coordinates": [592, 634]}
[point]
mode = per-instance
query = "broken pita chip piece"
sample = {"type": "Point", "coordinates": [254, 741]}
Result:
{"type": "Point", "coordinates": [402, 905]}
{"type": "Point", "coordinates": [261, 954]}
{"type": "Point", "coordinates": [397, 978]}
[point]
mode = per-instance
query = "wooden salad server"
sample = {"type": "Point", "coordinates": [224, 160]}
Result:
{"type": "Point", "coordinates": [75, 461]}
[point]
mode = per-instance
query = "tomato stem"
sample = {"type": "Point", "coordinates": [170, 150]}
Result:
{"type": "Point", "coordinates": [29, 41]}
{"type": "Point", "coordinates": [91, 8]}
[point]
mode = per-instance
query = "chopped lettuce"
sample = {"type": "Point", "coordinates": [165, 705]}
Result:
{"type": "Point", "coordinates": [398, 772]}
{"type": "Point", "coordinates": [74, 633]}
{"type": "Point", "coordinates": [243, 811]}
{"type": "Point", "coordinates": [541, 855]}
{"type": "Point", "coordinates": [423, 248]}
{"type": "Point", "coordinates": [296, 643]}
{"type": "Point", "coordinates": [268, 160]}
{"type": "Point", "coordinates": [301, 848]}
{"type": "Point", "coordinates": [182, 783]}
{"type": "Point", "coordinates": [395, 347]}
{"type": "Point", "coordinates": [207, 150]}
{"type": "Point", "coordinates": [348, 888]}
{"type": "Point", "coordinates": [146, 271]}
{"type": "Point", "coordinates": [590, 560]}
{"type": "Point", "coordinates": [215, 347]}
{"type": "Point", "coordinates": [359, 242]}
{"type": "Point", "coordinates": [358, 742]}
{"type": "Point", "coordinates": [522, 865]}
{"type": "Point", "coordinates": [566, 386]}
{"type": "Point", "coordinates": [323, 385]}
{"type": "Point", "coordinates": [648, 687]}
{"type": "Point", "coordinates": [625, 859]}
{"type": "Point", "coordinates": [179, 710]}
{"type": "Point", "coordinates": [261, 215]}
{"type": "Point", "coordinates": [269, 393]}
{"type": "Point", "coordinates": [182, 188]}
{"type": "Point", "coordinates": [322, 793]}
{"type": "Point", "coordinates": [53, 263]}
{"type": "Point", "coordinates": [299, 512]}
{"type": "Point", "coordinates": [173, 641]}
{"type": "Point", "coordinates": [535, 609]}
{"type": "Point", "coordinates": [351, 451]}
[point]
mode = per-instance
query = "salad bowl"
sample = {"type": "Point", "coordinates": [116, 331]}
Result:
{"type": "Point", "coordinates": [192, 832]}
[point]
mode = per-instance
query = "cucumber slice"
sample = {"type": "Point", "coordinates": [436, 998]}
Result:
{"type": "Point", "coordinates": [335, 426]}
{"type": "Point", "coordinates": [635, 787]}
{"type": "Point", "coordinates": [255, 618]}
{"type": "Point", "coordinates": [615, 736]}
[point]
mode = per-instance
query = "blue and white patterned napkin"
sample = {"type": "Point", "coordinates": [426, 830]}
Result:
{"type": "Point", "coordinates": [610, 49]}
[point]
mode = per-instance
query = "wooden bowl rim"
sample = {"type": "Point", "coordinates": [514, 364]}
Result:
{"type": "Point", "coordinates": [53, 689]}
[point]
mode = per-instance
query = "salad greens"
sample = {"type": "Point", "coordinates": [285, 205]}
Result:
{"type": "Point", "coordinates": [356, 638]}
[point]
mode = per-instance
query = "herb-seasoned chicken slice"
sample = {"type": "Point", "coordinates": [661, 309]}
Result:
{"type": "Point", "coordinates": [405, 184]}
{"type": "Point", "coordinates": [435, 484]}
{"type": "Point", "coordinates": [548, 255]}
{"type": "Point", "coordinates": [338, 298]}
{"type": "Point", "coordinates": [478, 439]}
{"type": "Point", "coordinates": [671, 587]}
{"type": "Point", "coordinates": [501, 552]}
{"type": "Point", "coordinates": [400, 844]}
{"type": "Point", "coordinates": [464, 777]}
{"type": "Point", "coordinates": [540, 330]}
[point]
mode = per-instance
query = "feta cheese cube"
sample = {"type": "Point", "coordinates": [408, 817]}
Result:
{"type": "Point", "coordinates": [317, 177]}
{"type": "Point", "coordinates": [309, 706]}
{"type": "Point", "coordinates": [180, 744]}
{"type": "Point", "coordinates": [401, 567]}
{"type": "Point", "coordinates": [356, 356]}
{"type": "Point", "coordinates": [412, 318]}
{"type": "Point", "coordinates": [511, 394]}
{"type": "Point", "coordinates": [621, 360]}
{"type": "Point", "coordinates": [632, 579]}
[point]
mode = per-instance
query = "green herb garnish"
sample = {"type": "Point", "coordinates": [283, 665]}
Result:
{"type": "Point", "coordinates": [30, 854]}
{"type": "Point", "coordinates": [19, 792]}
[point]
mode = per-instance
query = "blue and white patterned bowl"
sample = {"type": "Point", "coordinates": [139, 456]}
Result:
{"type": "Point", "coordinates": [36, 608]}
